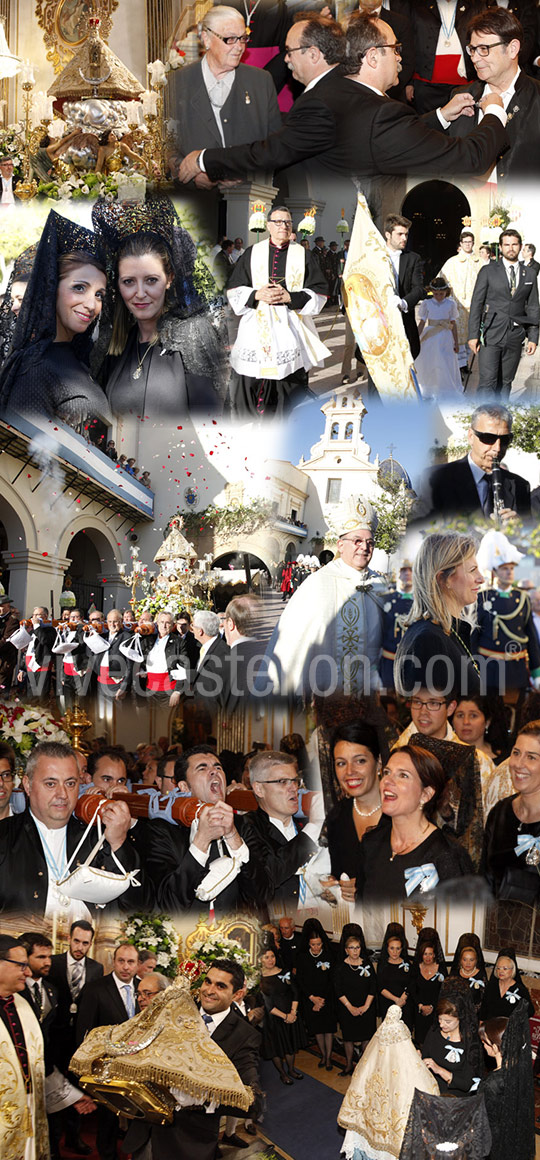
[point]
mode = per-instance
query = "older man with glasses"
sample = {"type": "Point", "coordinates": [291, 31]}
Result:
{"type": "Point", "coordinates": [329, 636]}
{"type": "Point", "coordinates": [23, 1122]}
{"type": "Point", "coordinates": [467, 485]}
{"type": "Point", "coordinates": [219, 101]}
{"type": "Point", "coordinates": [276, 287]}
{"type": "Point", "coordinates": [284, 843]}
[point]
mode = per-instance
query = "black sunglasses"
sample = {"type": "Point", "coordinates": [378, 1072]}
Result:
{"type": "Point", "coordinates": [489, 438]}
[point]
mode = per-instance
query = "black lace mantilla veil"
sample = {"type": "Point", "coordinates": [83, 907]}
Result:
{"type": "Point", "coordinates": [22, 268]}
{"type": "Point", "coordinates": [509, 1092]}
{"type": "Point", "coordinates": [460, 813]}
{"type": "Point", "coordinates": [457, 991]}
{"type": "Point", "coordinates": [191, 322]}
{"type": "Point", "coordinates": [441, 1127]}
{"type": "Point", "coordinates": [35, 329]}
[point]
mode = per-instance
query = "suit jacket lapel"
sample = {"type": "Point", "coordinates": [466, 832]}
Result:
{"type": "Point", "coordinates": [200, 102]}
{"type": "Point", "coordinates": [116, 997]}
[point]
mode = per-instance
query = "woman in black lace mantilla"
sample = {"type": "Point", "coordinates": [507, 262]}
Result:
{"type": "Point", "coordinates": [46, 374]}
{"type": "Point", "coordinates": [159, 352]}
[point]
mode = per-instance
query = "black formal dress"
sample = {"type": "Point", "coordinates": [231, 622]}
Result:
{"type": "Point", "coordinates": [395, 978]}
{"type": "Point", "coordinates": [342, 838]}
{"type": "Point", "coordinates": [323, 124]}
{"type": "Point", "coordinates": [315, 976]}
{"type": "Point", "coordinates": [453, 1057]}
{"type": "Point", "coordinates": [426, 992]}
{"type": "Point", "coordinates": [381, 876]}
{"type": "Point", "coordinates": [164, 388]}
{"type": "Point", "coordinates": [453, 490]}
{"type": "Point", "coordinates": [505, 317]}
{"type": "Point", "coordinates": [453, 670]}
{"type": "Point", "coordinates": [494, 1004]}
{"type": "Point", "coordinates": [477, 987]}
{"type": "Point", "coordinates": [280, 1038]}
{"type": "Point", "coordinates": [58, 385]}
{"type": "Point", "coordinates": [356, 983]}
{"type": "Point", "coordinates": [509, 874]}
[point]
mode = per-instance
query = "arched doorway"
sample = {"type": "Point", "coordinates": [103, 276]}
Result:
{"type": "Point", "coordinates": [4, 568]}
{"type": "Point", "coordinates": [436, 210]}
{"type": "Point", "coordinates": [91, 558]}
{"type": "Point", "coordinates": [255, 577]}
{"type": "Point", "coordinates": [326, 556]}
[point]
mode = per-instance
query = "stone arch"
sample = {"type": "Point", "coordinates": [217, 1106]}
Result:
{"type": "Point", "coordinates": [17, 519]}
{"type": "Point", "coordinates": [436, 210]}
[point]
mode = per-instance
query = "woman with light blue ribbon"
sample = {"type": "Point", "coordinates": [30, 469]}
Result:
{"type": "Point", "coordinates": [511, 857]}
{"type": "Point", "coordinates": [505, 987]}
{"type": "Point", "coordinates": [451, 1048]}
{"type": "Point", "coordinates": [406, 855]}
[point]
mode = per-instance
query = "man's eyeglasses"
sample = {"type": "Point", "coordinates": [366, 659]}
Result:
{"type": "Point", "coordinates": [481, 49]}
{"type": "Point", "coordinates": [6, 776]}
{"type": "Point", "coordinates": [229, 39]}
{"type": "Point", "coordinates": [397, 47]}
{"type": "Point", "coordinates": [431, 706]}
{"type": "Point", "coordinates": [301, 48]}
{"type": "Point", "coordinates": [283, 781]}
{"type": "Point", "coordinates": [358, 543]}
{"type": "Point", "coordinates": [490, 438]}
{"type": "Point", "coordinates": [16, 963]}
{"type": "Point", "coordinates": [280, 222]}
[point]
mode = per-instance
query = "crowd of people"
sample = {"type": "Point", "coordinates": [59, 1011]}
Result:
{"type": "Point", "coordinates": [311, 993]}
{"type": "Point", "coordinates": [400, 799]}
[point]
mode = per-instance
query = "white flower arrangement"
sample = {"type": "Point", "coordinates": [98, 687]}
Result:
{"type": "Point", "coordinates": [23, 727]}
{"type": "Point", "coordinates": [156, 933]}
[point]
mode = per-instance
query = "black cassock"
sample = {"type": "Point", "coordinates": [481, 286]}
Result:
{"type": "Point", "coordinates": [274, 397]}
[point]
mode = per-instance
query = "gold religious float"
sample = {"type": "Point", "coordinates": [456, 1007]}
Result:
{"type": "Point", "coordinates": [162, 1058]}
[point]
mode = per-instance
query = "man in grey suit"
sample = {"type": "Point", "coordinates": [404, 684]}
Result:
{"type": "Point", "coordinates": [505, 312]}
{"type": "Point", "coordinates": [218, 101]}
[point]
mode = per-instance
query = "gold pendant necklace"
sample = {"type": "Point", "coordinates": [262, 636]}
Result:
{"type": "Point", "coordinates": [138, 372]}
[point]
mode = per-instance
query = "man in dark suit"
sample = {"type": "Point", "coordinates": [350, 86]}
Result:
{"type": "Point", "coordinates": [282, 846]}
{"type": "Point", "coordinates": [499, 31]}
{"type": "Point", "coordinates": [528, 257]}
{"type": "Point", "coordinates": [36, 662]}
{"type": "Point", "coordinates": [178, 858]}
{"type": "Point", "coordinates": [9, 623]}
{"type": "Point", "coordinates": [408, 275]}
{"type": "Point", "coordinates": [194, 1131]}
{"type": "Point", "coordinates": [323, 122]}
{"type": "Point", "coordinates": [69, 973]}
{"type": "Point", "coordinates": [504, 313]}
{"type": "Point", "coordinates": [245, 652]}
{"type": "Point", "coordinates": [466, 486]}
{"type": "Point", "coordinates": [209, 674]}
{"type": "Point", "coordinates": [110, 999]}
{"type": "Point", "coordinates": [218, 101]}
{"type": "Point", "coordinates": [39, 991]}
{"type": "Point", "coordinates": [27, 848]}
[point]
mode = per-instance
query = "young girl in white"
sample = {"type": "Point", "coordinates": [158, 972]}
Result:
{"type": "Point", "coordinates": [437, 364]}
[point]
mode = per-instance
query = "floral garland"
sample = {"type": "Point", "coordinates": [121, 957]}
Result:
{"type": "Point", "coordinates": [92, 185]}
{"type": "Point", "coordinates": [23, 727]}
{"type": "Point", "coordinates": [213, 946]}
{"type": "Point", "coordinates": [155, 933]}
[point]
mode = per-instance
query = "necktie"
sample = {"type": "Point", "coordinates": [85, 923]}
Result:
{"type": "Point", "coordinates": [38, 1001]}
{"type": "Point", "coordinates": [76, 980]}
{"type": "Point", "coordinates": [128, 1000]}
{"type": "Point", "coordinates": [486, 495]}
{"type": "Point", "coordinates": [207, 1019]}
{"type": "Point", "coordinates": [512, 280]}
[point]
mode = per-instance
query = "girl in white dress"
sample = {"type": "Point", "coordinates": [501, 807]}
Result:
{"type": "Point", "coordinates": [437, 364]}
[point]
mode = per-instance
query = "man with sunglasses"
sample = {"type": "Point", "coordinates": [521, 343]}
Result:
{"type": "Point", "coordinates": [496, 40]}
{"type": "Point", "coordinates": [504, 314]}
{"type": "Point", "coordinates": [283, 843]}
{"type": "Point", "coordinates": [219, 101]}
{"type": "Point", "coordinates": [466, 485]}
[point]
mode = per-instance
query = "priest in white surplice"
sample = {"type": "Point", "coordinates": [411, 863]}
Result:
{"type": "Point", "coordinates": [276, 286]}
{"type": "Point", "coordinates": [329, 635]}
